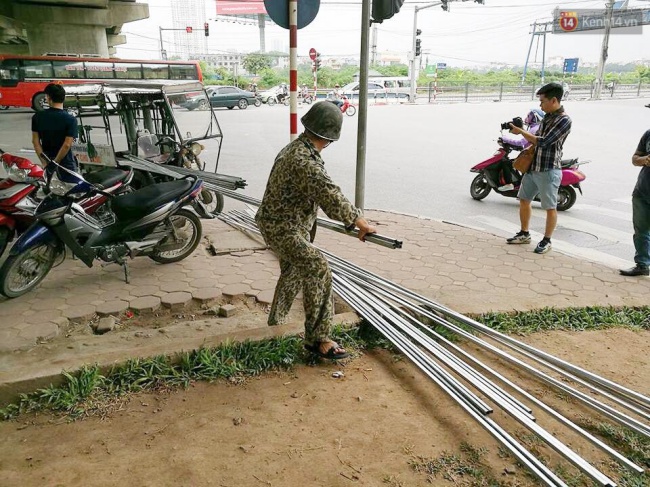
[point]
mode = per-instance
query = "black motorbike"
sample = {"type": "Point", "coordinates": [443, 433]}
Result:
{"type": "Point", "coordinates": [168, 151]}
{"type": "Point", "coordinates": [150, 222]}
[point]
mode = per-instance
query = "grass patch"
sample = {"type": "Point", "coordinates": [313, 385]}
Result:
{"type": "Point", "coordinates": [463, 469]}
{"type": "Point", "coordinates": [89, 392]}
{"type": "Point", "coordinates": [570, 319]}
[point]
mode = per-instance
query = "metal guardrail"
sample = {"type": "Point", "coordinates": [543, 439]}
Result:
{"type": "Point", "coordinates": [467, 92]}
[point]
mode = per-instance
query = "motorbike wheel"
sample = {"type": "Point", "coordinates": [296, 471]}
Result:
{"type": "Point", "coordinates": [479, 188]}
{"type": "Point", "coordinates": [308, 100]}
{"type": "Point", "coordinates": [566, 198]}
{"type": "Point", "coordinates": [351, 111]}
{"type": "Point", "coordinates": [187, 227]}
{"type": "Point", "coordinates": [212, 200]}
{"type": "Point", "coordinates": [270, 101]}
{"type": "Point", "coordinates": [23, 272]}
{"type": "Point", "coordinates": [285, 102]}
{"type": "Point", "coordinates": [258, 102]}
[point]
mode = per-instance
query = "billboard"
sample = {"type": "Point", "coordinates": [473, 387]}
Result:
{"type": "Point", "coordinates": [593, 20]}
{"type": "Point", "coordinates": [240, 7]}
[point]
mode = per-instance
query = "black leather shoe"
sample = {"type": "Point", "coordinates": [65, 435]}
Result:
{"type": "Point", "coordinates": [635, 271]}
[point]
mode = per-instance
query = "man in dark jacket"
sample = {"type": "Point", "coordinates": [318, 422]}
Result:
{"type": "Point", "coordinates": [641, 210]}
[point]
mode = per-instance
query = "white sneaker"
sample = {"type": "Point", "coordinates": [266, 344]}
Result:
{"type": "Point", "coordinates": [506, 187]}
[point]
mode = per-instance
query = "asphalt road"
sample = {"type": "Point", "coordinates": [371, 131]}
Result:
{"type": "Point", "coordinates": [418, 161]}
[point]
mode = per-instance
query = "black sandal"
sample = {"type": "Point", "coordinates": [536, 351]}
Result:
{"type": "Point", "coordinates": [330, 354]}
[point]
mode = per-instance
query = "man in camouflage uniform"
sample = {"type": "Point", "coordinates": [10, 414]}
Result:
{"type": "Point", "coordinates": [298, 185]}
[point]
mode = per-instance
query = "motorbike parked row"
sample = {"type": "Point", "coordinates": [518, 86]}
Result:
{"type": "Point", "coordinates": [151, 222]}
{"type": "Point", "coordinates": [22, 191]}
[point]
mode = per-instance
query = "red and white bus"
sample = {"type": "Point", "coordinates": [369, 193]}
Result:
{"type": "Point", "coordinates": [23, 78]}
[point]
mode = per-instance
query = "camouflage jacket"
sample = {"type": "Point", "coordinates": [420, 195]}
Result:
{"type": "Point", "coordinates": [298, 185]}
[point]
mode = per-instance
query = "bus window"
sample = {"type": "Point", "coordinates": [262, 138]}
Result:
{"type": "Point", "coordinates": [182, 71]}
{"type": "Point", "coordinates": [9, 74]}
{"type": "Point", "coordinates": [99, 70]}
{"type": "Point", "coordinates": [155, 71]}
{"type": "Point", "coordinates": [128, 71]}
{"type": "Point", "coordinates": [37, 69]}
{"type": "Point", "coordinates": [68, 69]}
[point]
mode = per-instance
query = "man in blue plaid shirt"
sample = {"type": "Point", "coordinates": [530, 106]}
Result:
{"type": "Point", "coordinates": [545, 173]}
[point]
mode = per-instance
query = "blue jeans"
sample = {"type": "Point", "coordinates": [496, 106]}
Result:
{"type": "Point", "coordinates": [641, 222]}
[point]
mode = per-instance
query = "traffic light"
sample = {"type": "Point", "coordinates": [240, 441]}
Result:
{"type": "Point", "coordinates": [418, 43]}
{"type": "Point", "coordinates": [188, 29]}
{"type": "Point", "coordinates": [384, 9]}
{"type": "Point", "coordinates": [317, 61]}
{"type": "Point", "coordinates": [206, 28]}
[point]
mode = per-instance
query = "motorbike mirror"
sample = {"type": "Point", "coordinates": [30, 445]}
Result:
{"type": "Point", "coordinates": [188, 135]}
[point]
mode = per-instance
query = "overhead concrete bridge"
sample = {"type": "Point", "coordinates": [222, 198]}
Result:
{"type": "Point", "coordinates": [66, 26]}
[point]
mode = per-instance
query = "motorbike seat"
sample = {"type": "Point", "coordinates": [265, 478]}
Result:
{"type": "Point", "coordinates": [143, 201]}
{"type": "Point", "coordinates": [106, 178]}
{"type": "Point", "coordinates": [569, 162]}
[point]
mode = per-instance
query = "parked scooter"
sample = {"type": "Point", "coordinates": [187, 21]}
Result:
{"type": "Point", "coordinates": [149, 222]}
{"type": "Point", "coordinates": [178, 155]}
{"type": "Point", "coordinates": [490, 177]}
{"type": "Point", "coordinates": [21, 192]}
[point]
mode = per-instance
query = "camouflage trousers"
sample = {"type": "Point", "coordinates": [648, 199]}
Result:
{"type": "Point", "coordinates": [302, 268]}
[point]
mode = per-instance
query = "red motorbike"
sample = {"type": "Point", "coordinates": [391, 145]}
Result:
{"type": "Point", "coordinates": [21, 192]}
{"type": "Point", "coordinates": [348, 108]}
{"type": "Point", "coordinates": [490, 177]}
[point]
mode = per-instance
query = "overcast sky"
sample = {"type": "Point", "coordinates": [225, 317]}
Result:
{"type": "Point", "coordinates": [467, 35]}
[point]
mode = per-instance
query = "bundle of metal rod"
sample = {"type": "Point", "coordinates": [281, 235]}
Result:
{"type": "Point", "coordinates": [387, 310]}
{"type": "Point", "coordinates": [386, 306]}
{"type": "Point", "coordinates": [213, 181]}
{"type": "Point", "coordinates": [587, 399]}
{"type": "Point", "coordinates": [375, 238]}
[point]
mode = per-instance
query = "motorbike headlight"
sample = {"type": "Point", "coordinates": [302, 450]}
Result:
{"type": "Point", "coordinates": [196, 148]}
{"type": "Point", "coordinates": [17, 174]}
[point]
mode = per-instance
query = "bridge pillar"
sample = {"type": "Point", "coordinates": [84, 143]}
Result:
{"type": "Point", "coordinates": [64, 29]}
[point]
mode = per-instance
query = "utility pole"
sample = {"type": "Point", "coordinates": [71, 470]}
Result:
{"type": "Point", "coordinates": [373, 45]}
{"type": "Point", "coordinates": [360, 182]}
{"type": "Point", "coordinates": [603, 53]}
{"type": "Point", "coordinates": [539, 29]}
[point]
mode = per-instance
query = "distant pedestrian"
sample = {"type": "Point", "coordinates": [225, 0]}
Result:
{"type": "Point", "coordinates": [545, 174]}
{"type": "Point", "coordinates": [54, 131]}
{"type": "Point", "coordinates": [297, 187]}
{"type": "Point", "coordinates": [641, 210]}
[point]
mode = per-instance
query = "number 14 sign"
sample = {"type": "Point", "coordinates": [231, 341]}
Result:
{"type": "Point", "coordinates": [568, 21]}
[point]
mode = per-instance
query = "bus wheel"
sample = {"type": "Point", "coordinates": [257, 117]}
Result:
{"type": "Point", "coordinates": [39, 102]}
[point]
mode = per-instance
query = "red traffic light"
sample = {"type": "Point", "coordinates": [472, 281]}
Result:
{"type": "Point", "coordinates": [188, 29]}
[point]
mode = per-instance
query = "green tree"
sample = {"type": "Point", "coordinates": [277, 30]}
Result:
{"type": "Point", "coordinates": [255, 62]}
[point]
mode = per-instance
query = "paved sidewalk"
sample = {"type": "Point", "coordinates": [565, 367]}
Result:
{"type": "Point", "coordinates": [168, 308]}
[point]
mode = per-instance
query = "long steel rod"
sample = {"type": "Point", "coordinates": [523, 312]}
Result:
{"type": "Point", "coordinates": [523, 455]}
{"type": "Point", "coordinates": [426, 301]}
{"type": "Point", "coordinates": [364, 274]}
{"type": "Point", "coordinates": [401, 320]}
{"type": "Point", "coordinates": [542, 472]}
{"type": "Point", "coordinates": [559, 417]}
{"type": "Point", "coordinates": [375, 238]}
{"type": "Point", "coordinates": [517, 414]}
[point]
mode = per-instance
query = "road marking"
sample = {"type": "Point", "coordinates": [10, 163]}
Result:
{"type": "Point", "coordinates": [561, 245]}
{"type": "Point", "coordinates": [599, 231]}
{"type": "Point", "coordinates": [621, 215]}
{"type": "Point", "coordinates": [626, 201]}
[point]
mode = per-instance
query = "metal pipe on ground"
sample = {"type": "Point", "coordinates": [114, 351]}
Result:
{"type": "Point", "coordinates": [543, 473]}
{"type": "Point", "coordinates": [516, 413]}
{"type": "Point", "coordinates": [595, 474]}
{"type": "Point", "coordinates": [640, 427]}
